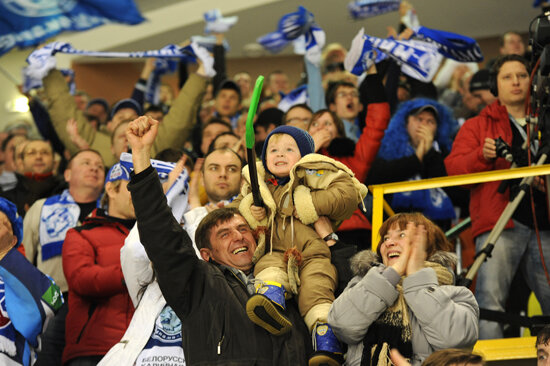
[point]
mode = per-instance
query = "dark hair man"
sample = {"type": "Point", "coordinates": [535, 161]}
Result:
{"type": "Point", "coordinates": [343, 99]}
{"type": "Point", "coordinates": [208, 296]}
{"type": "Point", "coordinates": [474, 150]}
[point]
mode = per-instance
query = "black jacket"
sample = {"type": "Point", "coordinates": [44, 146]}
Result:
{"type": "Point", "coordinates": [29, 190]}
{"type": "Point", "coordinates": [209, 300]}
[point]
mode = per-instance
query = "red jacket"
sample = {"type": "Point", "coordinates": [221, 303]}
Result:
{"type": "Point", "coordinates": [486, 204]}
{"type": "Point", "coordinates": [366, 148]}
{"type": "Point", "coordinates": [100, 308]}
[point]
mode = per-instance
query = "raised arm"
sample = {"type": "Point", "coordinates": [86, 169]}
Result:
{"type": "Point", "coordinates": [176, 126]}
{"type": "Point", "coordinates": [376, 122]}
{"type": "Point", "coordinates": [62, 107]}
{"type": "Point", "coordinates": [166, 243]}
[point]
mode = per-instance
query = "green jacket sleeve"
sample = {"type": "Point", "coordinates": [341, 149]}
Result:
{"type": "Point", "coordinates": [178, 123]}
{"type": "Point", "coordinates": [62, 107]}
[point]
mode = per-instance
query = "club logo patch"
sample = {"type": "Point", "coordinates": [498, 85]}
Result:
{"type": "Point", "coordinates": [322, 330]}
{"type": "Point", "coordinates": [168, 326]}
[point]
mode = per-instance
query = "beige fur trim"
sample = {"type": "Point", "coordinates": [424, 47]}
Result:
{"type": "Point", "coordinates": [260, 248]}
{"type": "Point", "coordinates": [264, 191]}
{"type": "Point", "coordinates": [244, 209]}
{"type": "Point", "coordinates": [303, 202]}
{"type": "Point", "coordinates": [318, 161]}
{"type": "Point", "coordinates": [274, 274]}
{"type": "Point", "coordinates": [318, 313]}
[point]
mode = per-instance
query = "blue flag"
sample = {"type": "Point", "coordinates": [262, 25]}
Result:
{"type": "Point", "coordinates": [25, 23]}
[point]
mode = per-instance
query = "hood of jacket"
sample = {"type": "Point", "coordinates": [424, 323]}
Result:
{"type": "Point", "coordinates": [396, 142]}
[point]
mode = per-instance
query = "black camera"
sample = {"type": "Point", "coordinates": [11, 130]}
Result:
{"type": "Point", "coordinates": [503, 150]}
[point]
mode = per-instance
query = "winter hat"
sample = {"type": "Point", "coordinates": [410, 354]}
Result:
{"type": "Point", "coordinates": [10, 210]}
{"type": "Point", "coordinates": [102, 102]}
{"type": "Point", "coordinates": [126, 103]}
{"type": "Point", "coordinates": [480, 81]}
{"type": "Point", "coordinates": [303, 140]}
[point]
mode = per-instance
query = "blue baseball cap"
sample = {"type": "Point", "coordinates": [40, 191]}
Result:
{"type": "Point", "coordinates": [117, 172]}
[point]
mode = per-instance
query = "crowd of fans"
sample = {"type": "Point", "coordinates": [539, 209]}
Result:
{"type": "Point", "coordinates": [209, 275]}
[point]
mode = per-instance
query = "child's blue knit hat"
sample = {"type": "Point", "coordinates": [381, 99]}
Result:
{"type": "Point", "coordinates": [303, 140]}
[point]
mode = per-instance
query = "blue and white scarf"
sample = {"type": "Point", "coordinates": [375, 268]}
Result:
{"type": "Point", "coordinates": [209, 42]}
{"type": "Point", "coordinates": [152, 89]}
{"type": "Point", "coordinates": [59, 214]}
{"type": "Point", "coordinates": [27, 298]}
{"type": "Point", "coordinates": [216, 23]}
{"type": "Point", "coordinates": [419, 60]}
{"type": "Point", "coordinates": [30, 83]}
{"type": "Point", "coordinates": [296, 96]}
{"type": "Point", "coordinates": [177, 195]}
{"type": "Point", "coordinates": [362, 9]}
{"type": "Point", "coordinates": [451, 45]}
{"type": "Point", "coordinates": [42, 60]}
{"type": "Point", "coordinates": [164, 346]}
{"type": "Point", "coordinates": [7, 330]}
{"type": "Point", "coordinates": [311, 44]}
{"type": "Point", "coordinates": [292, 26]}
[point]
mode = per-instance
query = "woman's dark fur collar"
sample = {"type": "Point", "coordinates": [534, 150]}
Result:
{"type": "Point", "coordinates": [341, 146]}
{"type": "Point", "coordinates": [361, 262]}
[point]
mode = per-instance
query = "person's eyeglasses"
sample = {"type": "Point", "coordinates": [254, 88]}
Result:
{"type": "Point", "coordinates": [343, 94]}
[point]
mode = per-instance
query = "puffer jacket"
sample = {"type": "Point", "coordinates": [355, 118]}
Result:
{"type": "Point", "coordinates": [440, 316]}
{"type": "Point", "coordinates": [318, 186]}
{"type": "Point", "coordinates": [100, 308]}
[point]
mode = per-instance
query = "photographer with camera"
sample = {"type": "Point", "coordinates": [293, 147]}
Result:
{"type": "Point", "coordinates": [474, 150]}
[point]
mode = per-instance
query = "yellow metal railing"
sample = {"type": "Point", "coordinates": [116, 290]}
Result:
{"type": "Point", "coordinates": [379, 190]}
{"type": "Point", "coordinates": [495, 349]}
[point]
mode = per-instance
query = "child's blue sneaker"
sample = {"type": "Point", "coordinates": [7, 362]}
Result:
{"type": "Point", "coordinates": [328, 350]}
{"type": "Point", "coordinates": [266, 308]}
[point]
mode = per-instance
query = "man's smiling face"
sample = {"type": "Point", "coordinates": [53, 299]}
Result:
{"type": "Point", "coordinates": [232, 243]}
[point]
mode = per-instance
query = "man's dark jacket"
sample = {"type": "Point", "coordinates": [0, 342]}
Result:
{"type": "Point", "coordinates": [210, 301]}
